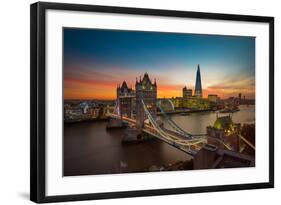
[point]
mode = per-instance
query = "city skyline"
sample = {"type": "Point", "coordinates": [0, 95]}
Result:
{"type": "Point", "coordinates": [96, 61]}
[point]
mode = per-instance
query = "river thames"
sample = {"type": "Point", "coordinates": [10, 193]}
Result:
{"type": "Point", "coordinates": [91, 149]}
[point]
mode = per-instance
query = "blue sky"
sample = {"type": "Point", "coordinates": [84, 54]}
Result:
{"type": "Point", "coordinates": [227, 62]}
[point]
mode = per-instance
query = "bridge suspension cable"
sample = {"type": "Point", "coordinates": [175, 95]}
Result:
{"type": "Point", "coordinates": [154, 124]}
{"type": "Point", "coordinates": [170, 138]}
{"type": "Point", "coordinates": [176, 127]}
{"type": "Point", "coordinates": [186, 134]}
{"type": "Point", "coordinates": [173, 124]}
{"type": "Point", "coordinates": [192, 140]}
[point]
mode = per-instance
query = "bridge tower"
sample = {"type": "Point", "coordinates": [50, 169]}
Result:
{"type": "Point", "coordinates": [125, 96]}
{"type": "Point", "coordinates": [146, 91]}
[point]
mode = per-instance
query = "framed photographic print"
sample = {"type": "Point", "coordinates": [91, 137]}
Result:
{"type": "Point", "coordinates": [129, 102]}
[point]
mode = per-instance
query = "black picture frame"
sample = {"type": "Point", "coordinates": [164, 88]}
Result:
{"type": "Point", "coordinates": [38, 100]}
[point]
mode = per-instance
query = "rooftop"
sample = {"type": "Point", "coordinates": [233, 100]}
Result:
{"type": "Point", "coordinates": [224, 122]}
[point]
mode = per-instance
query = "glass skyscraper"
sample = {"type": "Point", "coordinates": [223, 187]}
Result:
{"type": "Point", "coordinates": [198, 86]}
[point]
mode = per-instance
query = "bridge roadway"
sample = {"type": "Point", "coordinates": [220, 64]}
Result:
{"type": "Point", "coordinates": [175, 139]}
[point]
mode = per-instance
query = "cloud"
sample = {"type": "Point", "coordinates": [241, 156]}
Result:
{"type": "Point", "coordinates": [235, 83]}
{"type": "Point", "coordinates": [92, 78]}
{"type": "Point", "coordinates": [232, 86]}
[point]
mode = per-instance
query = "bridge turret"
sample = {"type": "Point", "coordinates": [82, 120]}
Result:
{"type": "Point", "coordinates": [146, 91]}
{"type": "Point", "coordinates": [125, 97]}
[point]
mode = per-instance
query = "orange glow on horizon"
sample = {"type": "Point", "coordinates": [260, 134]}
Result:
{"type": "Point", "coordinates": [76, 89]}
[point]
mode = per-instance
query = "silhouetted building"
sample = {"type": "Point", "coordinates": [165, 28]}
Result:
{"type": "Point", "coordinates": [210, 157]}
{"type": "Point", "coordinates": [146, 91]}
{"type": "Point", "coordinates": [248, 131]}
{"type": "Point", "coordinates": [198, 85]}
{"type": "Point", "coordinates": [186, 92]}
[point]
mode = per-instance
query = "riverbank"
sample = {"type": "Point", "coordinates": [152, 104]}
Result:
{"type": "Point", "coordinates": [175, 112]}
{"type": "Point", "coordinates": [86, 120]}
{"type": "Point", "coordinates": [187, 111]}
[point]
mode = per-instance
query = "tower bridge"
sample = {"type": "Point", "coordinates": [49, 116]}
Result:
{"type": "Point", "coordinates": [145, 119]}
{"type": "Point", "coordinates": [143, 102]}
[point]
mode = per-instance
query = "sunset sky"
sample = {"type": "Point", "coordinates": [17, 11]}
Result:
{"type": "Point", "coordinates": [96, 61]}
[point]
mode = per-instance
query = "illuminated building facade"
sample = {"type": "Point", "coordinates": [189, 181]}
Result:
{"type": "Point", "coordinates": [146, 91]}
{"type": "Point", "coordinates": [198, 85]}
{"type": "Point", "coordinates": [224, 129]}
{"type": "Point", "coordinates": [213, 98]}
{"type": "Point", "coordinates": [192, 103]}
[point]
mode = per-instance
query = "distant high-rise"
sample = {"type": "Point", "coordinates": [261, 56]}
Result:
{"type": "Point", "coordinates": [198, 86]}
{"type": "Point", "coordinates": [186, 92]}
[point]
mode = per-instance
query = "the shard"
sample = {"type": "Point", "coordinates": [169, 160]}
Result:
{"type": "Point", "coordinates": [198, 86]}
